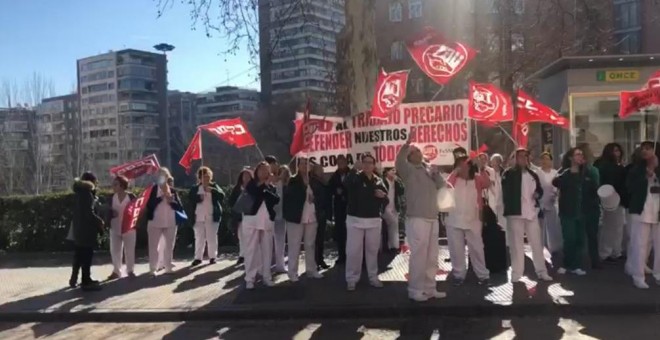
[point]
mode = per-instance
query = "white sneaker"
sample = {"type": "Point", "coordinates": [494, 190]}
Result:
{"type": "Point", "coordinates": [419, 297]}
{"type": "Point", "coordinates": [515, 279]}
{"type": "Point", "coordinates": [376, 283]}
{"type": "Point", "coordinates": [436, 295]}
{"type": "Point", "coordinates": [249, 285]}
{"type": "Point", "coordinates": [545, 277]}
{"type": "Point", "coordinates": [315, 275]}
{"type": "Point", "coordinates": [350, 287]}
{"type": "Point", "coordinates": [561, 271]}
{"type": "Point", "coordinates": [579, 272]}
{"type": "Point", "coordinates": [640, 283]}
{"type": "Point", "coordinates": [269, 283]}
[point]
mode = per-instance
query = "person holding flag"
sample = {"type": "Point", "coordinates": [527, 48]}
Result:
{"type": "Point", "coordinates": [121, 243]}
{"type": "Point", "coordinates": [207, 198]}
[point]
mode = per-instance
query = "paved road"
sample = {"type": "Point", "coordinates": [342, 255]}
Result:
{"type": "Point", "coordinates": [587, 327]}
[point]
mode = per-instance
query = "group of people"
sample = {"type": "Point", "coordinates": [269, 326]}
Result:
{"type": "Point", "coordinates": [500, 204]}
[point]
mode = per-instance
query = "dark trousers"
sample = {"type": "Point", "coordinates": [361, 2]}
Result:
{"type": "Point", "coordinates": [340, 233]}
{"type": "Point", "coordinates": [320, 239]}
{"type": "Point", "coordinates": [82, 261]}
{"type": "Point", "coordinates": [573, 232]}
{"type": "Point", "coordinates": [591, 225]}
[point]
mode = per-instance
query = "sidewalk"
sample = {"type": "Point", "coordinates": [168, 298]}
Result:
{"type": "Point", "coordinates": [29, 292]}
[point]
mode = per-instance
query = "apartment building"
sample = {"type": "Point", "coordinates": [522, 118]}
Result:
{"type": "Point", "coordinates": [298, 49]}
{"type": "Point", "coordinates": [227, 102]}
{"type": "Point", "coordinates": [59, 132]}
{"type": "Point", "coordinates": [123, 97]}
{"type": "Point", "coordinates": [17, 162]}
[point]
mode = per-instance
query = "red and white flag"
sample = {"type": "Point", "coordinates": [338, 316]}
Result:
{"type": "Point", "coordinates": [645, 99]}
{"type": "Point", "coordinates": [521, 133]}
{"type": "Point", "coordinates": [531, 110]}
{"type": "Point", "coordinates": [193, 152]}
{"type": "Point", "coordinates": [439, 58]}
{"type": "Point", "coordinates": [135, 169]}
{"type": "Point", "coordinates": [305, 127]}
{"type": "Point", "coordinates": [232, 131]}
{"type": "Point", "coordinates": [131, 213]}
{"type": "Point", "coordinates": [390, 92]}
{"type": "Point", "coordinates": [489, 104]}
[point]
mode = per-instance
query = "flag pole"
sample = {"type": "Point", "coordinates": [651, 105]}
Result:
{"type": "Point", "coordinates": [260, 152]}
{"type": "Point", "coordinates": [442, 87]}
{"type": "Point", "coordinates": [476, 134]}
{"type": "Point", "coordinates": [506, 133]}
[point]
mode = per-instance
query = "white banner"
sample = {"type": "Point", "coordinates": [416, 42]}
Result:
{"type": "Point", "coordinates": [437, 128]}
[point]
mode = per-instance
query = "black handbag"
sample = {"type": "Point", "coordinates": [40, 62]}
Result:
{"type": "Point", "coordinates": [243, 204]}
{"type": "Point", "coordinates": [488, 216]}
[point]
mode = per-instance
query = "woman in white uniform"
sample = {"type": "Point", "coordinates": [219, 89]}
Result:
{"type": "Point", "coordinates": [550, 225]}
{"type": "Point", "coordinates": [207, 198]}
{"type": "Point", "coordinates": [162, 206]}
{"type": "Point", "coordinates": [367, 196]}
{"type": "Point", "coordinates": [281, 181]}
{"type": "Point", "coordinates": [258, 223]}
{"type": "Point", "coordinates": [122, 245]}
{"type": "Point", "coordinates": [464, 226]}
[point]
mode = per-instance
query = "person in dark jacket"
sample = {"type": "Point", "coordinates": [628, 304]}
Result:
{"type": "Point", "coordinates": [258, 224]}
{"type": "Point", "coordinates": [612, 172]}
{"type": "Point", "coordinates": [577, 192]}
{"type": "Point", "coordinates": [522, 191]}
{"type": "Point", "coordinates": [206, 198]}
{"type": "Point", "coordinates": [243, 179]}
{"type": "Point", "coordinates": [121, 243]}
{"type": "Point", "coordinates": [87, 225]}
{"type": "Point", "coordinates": [162, 207]}
{"type": "Point", "coordinates": [323, 209]}
{"type": "Point", "coordinates": [367, 196]}
{"type": "Point", "coordinates": [339, 206]}
{"type": "Point", "coordinates": [592, 218]}
{"type": "Point", "coordinates": [644, 206]}
{"type": "Point", "coordinates": [395, 192]}
{"type": "Point", "coordinates": [299, 210]}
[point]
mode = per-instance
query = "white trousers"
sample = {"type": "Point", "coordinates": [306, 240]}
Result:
{"type": "Point", "coordinates": [551, 234]}
{"type": "Point", "coordinates": [458, 239]}
{"type": "Point", "coordinates": [642, 233]}
{"type": "Point", "coordinates": [361, 241]}
{"type": "Point", "coordinates": [258, 253]}
{"type": "Point", "coordinates": [296, 234]}
{"type": "Point", "coordinates": [122, 246]}
{"type": "Point", "coordinates": [422, 236]}
{"type": "Point", "coordinates": [206, 235]}
{"type": "Point", "coordinates": [518, 228]}
{"type": "Point", "coordinates": [611, 233]}
{"type": "Point", "coordinates": [241, 240]}
{"type": "Point", "coordinates": [392, 222]}
{"type": "Point", "coordinates": [166, 251]}
{"type": "Point", "coordinates": [280, 243]}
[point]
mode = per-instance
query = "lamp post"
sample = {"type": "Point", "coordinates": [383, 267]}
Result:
{"type": "Point", "coordinates": [164, 47]}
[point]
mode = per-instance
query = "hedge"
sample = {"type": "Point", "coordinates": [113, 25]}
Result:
{"type": "Point", "coordinates": [41, 223]}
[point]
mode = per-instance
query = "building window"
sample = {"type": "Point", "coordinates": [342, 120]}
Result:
{"type": "Point", "coordinates": [415, 9]}
{"type": "Point", "coordinates": [396, 50]}
{"type": "Point", "coordinates": [629, 43]}
{"type": "Point", "coordinates": [396, 11]}
{"type": "Point", "coordinates": [627, 15]}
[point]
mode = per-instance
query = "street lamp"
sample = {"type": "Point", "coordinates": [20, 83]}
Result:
{"type": "Point", "coordinates": [164, 47]}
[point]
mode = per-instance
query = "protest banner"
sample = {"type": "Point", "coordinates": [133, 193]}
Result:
{"type": "Point", "coordinates": [436, 127]}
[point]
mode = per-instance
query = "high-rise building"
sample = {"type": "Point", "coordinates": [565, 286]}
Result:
{"type": "Point", "coordinates": [123, 97]}
{"type": "Point", "coordinates": [636, 23]}
{"type": "Point", "coordinates": [298, 49]}
{"type": "Point", "coordinates": [227, 102]}
{"type": "Point", "coordinates": [59, 130]}
{"type": "Point", "coordinates": [17, 132]}
{"type": "Point", "coordinates": [182, 114]}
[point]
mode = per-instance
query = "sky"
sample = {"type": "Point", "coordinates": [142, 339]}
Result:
{"type": "Point", "coordinates": [48, 36]}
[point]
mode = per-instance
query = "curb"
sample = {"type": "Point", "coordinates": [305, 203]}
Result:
{"type": "Point", "coordinates": [252, 313]}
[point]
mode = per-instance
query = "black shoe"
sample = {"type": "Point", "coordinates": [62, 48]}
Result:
{"type": "Point", "coordinates": [73, 283]}
{"type": "Point", "coordinates": [196, 263]}
{"type": "Point", "coordinates": [212, 261]}
{"type": "Point", "coordinates": [323, 265]}
{"type": "Point", "coordinates": [240, 261]}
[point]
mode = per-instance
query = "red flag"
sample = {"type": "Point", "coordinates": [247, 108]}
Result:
{"type": "Point", "coordinates": [488, 104]}
{"type": "Point", "coordinates": [135, 169]}
{"type": "Point", "coordinates": [193, 152]}
{"type": "Point", "coordinates": [131, 213]}
{"type": "Point", "coordinates": [520, 134]}
{"type": "Point", "coordinates": [298, 142]}
{"type": "Point", "coordinates": [475, 153]}
{"type": "Point", "coordinates": [390, 92]}
{"type": "Point", "coordinates": [644, 99]}
{"type": "Point", "coordinates": [233, 131]}
{"type": "Point", "coordinates": [531, 110]}
{"type": "Point", "coordinates": [438, 57]}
